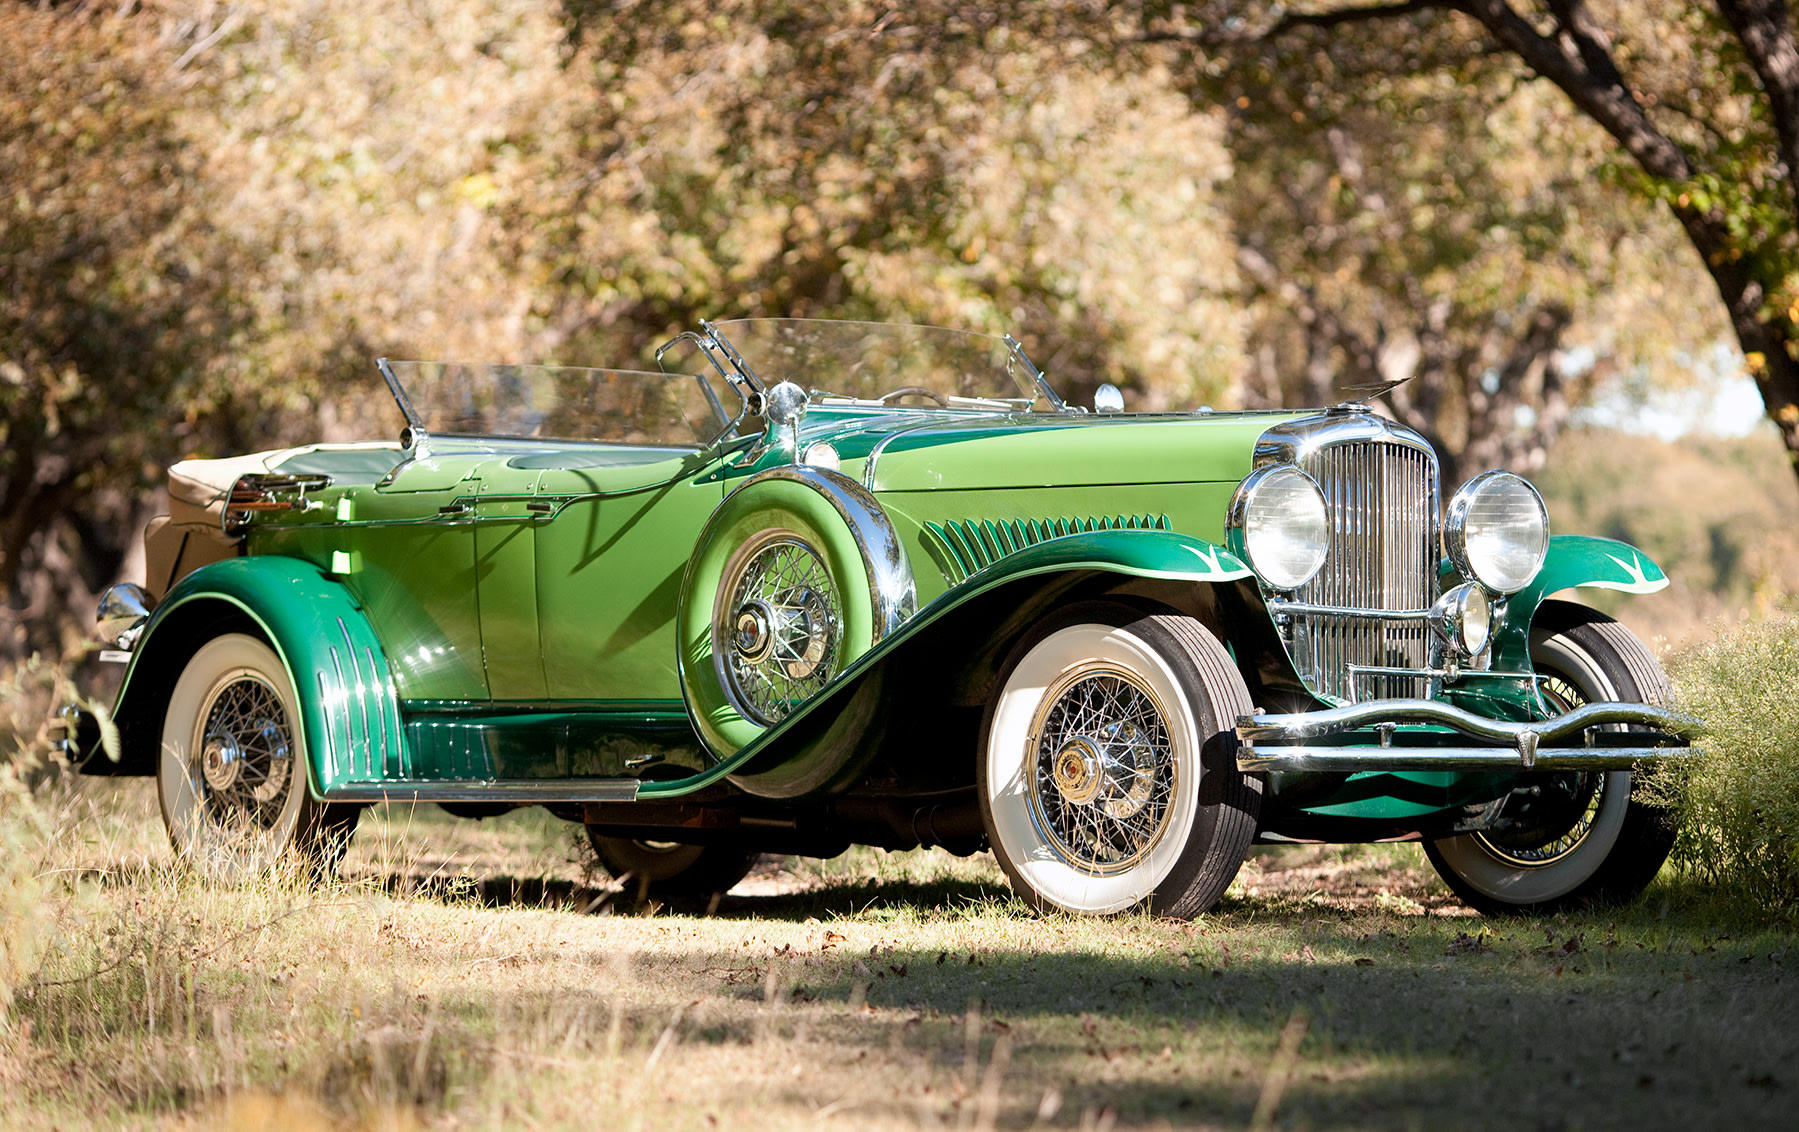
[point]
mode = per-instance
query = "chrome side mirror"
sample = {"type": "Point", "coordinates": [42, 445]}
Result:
{"type": "Point", "coordinates": [1108, 399]}
{"type": "Point", "coordinates": [124, 609]}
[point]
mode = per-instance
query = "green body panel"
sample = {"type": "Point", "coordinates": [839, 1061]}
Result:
{"type": "Point", "coordinates": [610, 740]}
{"type": "Point", "coordinates": [415, 577]}
{"type": "Point", "coordinates": [1192, 509]}
{"type": "Point", "coordinates": [1395, 796]}
{"type": "Point", "coordinates": [608, 579]}
{"type": "Point", "coordinates": [349, 717]}
{"type": "Point", "coordinates": [506, 588]}
{"type": "Point", "coordinates": [1082, 451]}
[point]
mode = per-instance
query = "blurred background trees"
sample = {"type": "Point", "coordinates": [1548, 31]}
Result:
{"type": "Point", "coordinates": [215, 215]}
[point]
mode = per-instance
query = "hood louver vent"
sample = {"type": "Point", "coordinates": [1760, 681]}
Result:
{"type": "Point", "coordinates": [969, 545]}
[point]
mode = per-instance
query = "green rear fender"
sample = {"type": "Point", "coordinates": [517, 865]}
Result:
{"type": "Point", "coordinates": [349, 716]}
{"type": "Point", "coordinates": [1573, 561]}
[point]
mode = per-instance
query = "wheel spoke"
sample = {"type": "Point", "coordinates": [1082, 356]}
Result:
{"type": "Point", "coordinates": [241, 768]}
{"type": "Point", "coordinates": [1117, 806]}
{"type": "Point", "coordinates": [786, 591]}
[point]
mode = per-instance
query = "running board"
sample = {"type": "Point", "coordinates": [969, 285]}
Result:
{"type": "Point", "coordinates": [490, 790]}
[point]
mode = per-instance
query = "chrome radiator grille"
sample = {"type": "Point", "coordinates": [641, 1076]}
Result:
{"type": "Point", "coordinates": [1382, 501]}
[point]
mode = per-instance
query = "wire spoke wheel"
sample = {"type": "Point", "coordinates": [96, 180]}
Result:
{"type": "Point", "coordinates": [1564, 840]}
{"type": "Point", "coordinates": [1108, 775]}
{"type": "Point", "coordinates": [232, 779]}
{"type": "Point", "coordinates": [776, 631]}
{"type": "Point", "coordinates": [1105, 770]}
{"type": "Point", "coordinates": [1551, 816]}
{"type": "Point", "coordinates": [243, 757]}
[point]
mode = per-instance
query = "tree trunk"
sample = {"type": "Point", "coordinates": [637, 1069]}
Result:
{"type": "Point", "coordinates": [1576, 54]}
{"type": "Point", "coordinates": [1577, 57]}
{"type": "Point", "coordinates": [1767, 339]}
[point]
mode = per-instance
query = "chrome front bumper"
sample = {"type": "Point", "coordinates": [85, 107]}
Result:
{"type": "Point", "coordinates": [1329, 740]}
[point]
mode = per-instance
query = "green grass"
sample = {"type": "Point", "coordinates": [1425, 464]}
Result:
{"type": "Point", "coordinates": [839, 994]}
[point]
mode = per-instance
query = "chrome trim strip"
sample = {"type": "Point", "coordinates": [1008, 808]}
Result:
{"type": "Point", "coordinates": [1345, 760]}
{"type": "Point", "coordinates": [380, 716]}
{"type": "Point", "coordinates": [1356, 670]}
{"type": "Point", "coordinates": [890, 586]}
{"type": "Point", "coordinates": [1291, 442]}
{"type": "Point", "coordinates": [490, 790]}
{"type": "Point", "coordinates": [1333, 721]}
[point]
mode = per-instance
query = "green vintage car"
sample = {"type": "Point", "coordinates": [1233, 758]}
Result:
{"type": "Point", "coordinates": [818, 584]}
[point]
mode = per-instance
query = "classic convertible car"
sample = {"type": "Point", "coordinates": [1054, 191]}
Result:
{"type": "Point", "coordinates": [822, 583]}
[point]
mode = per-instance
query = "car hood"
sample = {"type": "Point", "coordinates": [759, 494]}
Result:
{"type": "Point", "coordinates": [1068, 451]}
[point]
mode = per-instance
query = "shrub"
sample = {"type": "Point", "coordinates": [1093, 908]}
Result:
{"type": "Point", "coordinates": [1739, 801]}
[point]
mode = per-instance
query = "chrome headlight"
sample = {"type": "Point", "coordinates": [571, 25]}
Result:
{"type": "Point", "coordinates": [1463, 617]}
{"type": "Point", "coordinates": [1278, 512]}
{"type": "Point", "coordinates": [1496, 531]}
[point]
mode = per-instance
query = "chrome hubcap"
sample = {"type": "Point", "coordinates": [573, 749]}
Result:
{"type": "Point", "coordinates": [1105, 772]}
{"type": "Point", "coordinates": [220, 761]}
{"type": "Point", "coordinates": [1077, 772]}
{"type": "Point", "coordinates": [780, 627]}
{"type": "Point", "coordinates": [752, 637]}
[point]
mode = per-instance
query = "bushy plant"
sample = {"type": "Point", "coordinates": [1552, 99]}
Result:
{"type": "Point", "coordinates": [1739, 800]}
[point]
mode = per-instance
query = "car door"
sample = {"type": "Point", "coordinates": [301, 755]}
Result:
{"type": "Point", "coordinates": [504, 517]}
{"type": "Point", "coordinates": [609, 571]}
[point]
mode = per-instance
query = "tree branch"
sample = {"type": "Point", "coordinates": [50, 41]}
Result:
{"type": "Point", "coordinates": [1765, 28]}
{"type": "Point", "coordinates": [1292, 20]}
{"type": "Point", "coordinates": [1579, 61]}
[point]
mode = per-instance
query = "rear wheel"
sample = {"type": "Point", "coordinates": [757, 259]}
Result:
{"type": "Point", "coordinates": [1562, 840]}
{"type": "Point", "coordinates": [231, 778]}
{"type": "Point", "coordinates": [1108, 776]}
{"type": "Point", "coordinates": [667, 869]}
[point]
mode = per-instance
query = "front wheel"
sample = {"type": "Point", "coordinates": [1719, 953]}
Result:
{"type": "Point", "coordinates": [231, 779]}
{"type": "Point", "coordinates": [1562, 840]}
{"type": "Point", "coordinates": [1108, 775]}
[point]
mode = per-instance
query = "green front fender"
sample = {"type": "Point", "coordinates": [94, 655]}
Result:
{"type": "Point", "coordinates": [1572, 561]}
{"type": "Point", "coordinates": [1132, 553]}
{"type": "Point", "coordinates": [349, 716]}
{"type": "Point", "coordinates": [1143, 553]}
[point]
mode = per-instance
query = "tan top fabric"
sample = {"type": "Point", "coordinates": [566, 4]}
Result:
{"type": "Point", "coordinates": [198, 488]}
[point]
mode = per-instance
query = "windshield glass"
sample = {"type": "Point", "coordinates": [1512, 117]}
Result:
{"type": "Point", "coordinates": [563, 403]}
{"type": "Point", "coordinates": [883, 363]}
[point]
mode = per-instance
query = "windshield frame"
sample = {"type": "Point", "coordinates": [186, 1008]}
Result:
{"type": "Point", "coordinates": [730, 362]}
{"type": "Point", "coordinates": [415, 435]}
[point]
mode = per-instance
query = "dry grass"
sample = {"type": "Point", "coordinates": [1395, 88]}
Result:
{"type": "Point", "coordinates": [876, 991]}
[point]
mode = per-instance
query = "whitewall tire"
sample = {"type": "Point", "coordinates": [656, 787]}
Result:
{"type": "Point", "coordinates": [231, 776]}
{"type": "Point", "coordinates": [1107, 774]}
{"type": "Point", "coordinates": [1570, 838]}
